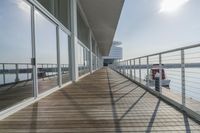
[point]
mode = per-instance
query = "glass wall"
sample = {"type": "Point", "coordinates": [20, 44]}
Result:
{"type": "Point", "coordinates": [63, 12]}
{"type": "Point", "coordinates": [16, 76]}
{"type": "Point", "coordinates": [93, 46]}
{"type": "Point", "coordinates": [93, 55]}
{"type": "Point", "coordinates": [80, 57]}
{"type": "Point", "coordinates": [60, 9]}
{"type": "Point", "coordinates": [83, 30]}
{"type": "Point", "coordinates": [64, 56]}
{"type": "Point", "coordinates": [15, 52]}
{"type": "Point", "coordinates": [94, 62]}
{"type": "Point", "coordinates": [46, 52]}
{"type": "Point", "coordinates": [87, 60]}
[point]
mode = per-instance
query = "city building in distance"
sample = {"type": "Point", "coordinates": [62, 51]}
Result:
{"type": "Point", "coordinates": [116, 53]}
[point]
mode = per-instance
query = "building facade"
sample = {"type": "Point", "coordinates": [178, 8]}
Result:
{"type": "Point", "coordinates": [48, 44]}
{"type": "Point", "coordinates": [116, 53]}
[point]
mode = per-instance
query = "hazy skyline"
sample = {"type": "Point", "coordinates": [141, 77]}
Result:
{"type": "Point", "coordinates": [149, 26]}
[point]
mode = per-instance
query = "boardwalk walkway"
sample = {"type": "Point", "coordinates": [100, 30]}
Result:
{"type": "Point", "coordinates": [102, 102]}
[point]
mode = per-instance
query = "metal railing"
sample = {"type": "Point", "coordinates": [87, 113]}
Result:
{"type": "Point", "coordinates": [180, 68]}
{"type": "Point", "coordinates": [19, 72]}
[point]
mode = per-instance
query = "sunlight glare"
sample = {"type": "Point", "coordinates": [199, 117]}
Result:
{"type": "Point", "coordinates": [171, 5]}
{"type": "Point", "coordinates": [23, 6]}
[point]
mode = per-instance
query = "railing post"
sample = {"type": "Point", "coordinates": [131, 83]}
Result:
{"type": "Point", "coordinates": [4, 76]}
{"type": "Point", "coordinates": [126, 68]}
{"type": "Point", "coordinates": [183, 76]}
{"type": "Point", "coordinates": [140, 78]}
{"type": "Point", "coordinates": [147, 78]}
{"type": "Point", "coordinates": [17, 73]}
{"type": "Point", "coordinates": [123, 68]}
{"type": "Point", "coordinates": [27, 71]}
{"type": "Point", "coordinates": [119, 67]}
{"type": "Point", "coordinates": [160, 72]}
{"type": "Point", "coordinates": [52, 69]}
{"type": "Point", "coordinates": [131, 75]}
{"type": "Point", "coordinates": [134, 71]}
{"type": "Point", "coordinates": [47, 70]}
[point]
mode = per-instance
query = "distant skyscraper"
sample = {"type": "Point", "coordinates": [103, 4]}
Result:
{"type": "Point", "coordinates": [115, 53]}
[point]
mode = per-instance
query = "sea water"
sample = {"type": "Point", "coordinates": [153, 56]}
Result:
{"type": "Point", "coordinates": [11, 78]}
{"type": "Point", "coordinates": [192, 80]}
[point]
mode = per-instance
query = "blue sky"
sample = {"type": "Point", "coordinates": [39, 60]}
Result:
{"type": "Point", "coordinates": [144, 27]}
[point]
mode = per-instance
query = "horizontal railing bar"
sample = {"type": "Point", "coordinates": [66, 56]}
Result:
{"type": "Point", "coordinates": [168, 51]}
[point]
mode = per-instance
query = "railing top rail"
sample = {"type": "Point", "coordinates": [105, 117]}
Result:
{"type": "Point", "coordinates": [14, 63]}
{"type": "Point", "coordinates": [29, 64]}
{"type": "Point", "coordinates": [168, 51]}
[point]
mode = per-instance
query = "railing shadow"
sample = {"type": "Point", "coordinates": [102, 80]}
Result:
{"type": "Point", "coordinates": [150, 125]}
{"type": "Point", "coordinates": [114, 111]}
{"type": "Point", "coordinates": [88, 118]}
{"type": "Point", "coordinates": [186, 123]}
{"type": "Point", "coordinates": [132, 106]}
{"type": "Point", "coordinates": [122, 87]}
{"type": "Point", "coordinates": [119, 83]}
{"type": "Point", "coordinates": [113, 103]}
{"type": "Point", "coordinates": [126, 94]}
{"type": "Point", "coordinates": [34, 117]}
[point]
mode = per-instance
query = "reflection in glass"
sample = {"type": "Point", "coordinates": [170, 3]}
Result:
{"type": "Point", "coordinates": [93, 61]}
{"type": "Point", "coordinates": [80, 57]}
{"type": "Point", "coordinates": [15, 52]}
{"type": "Point", "coordinates": [60, 9]}
{"type": "Point", "coordinates": [64, 57]}
{"type": "Point", "coordinates": [83, 30]}
{"type": "Point", "coordinates": [46, 51]}
{"type": "Point", "coordinates": [87, 62]}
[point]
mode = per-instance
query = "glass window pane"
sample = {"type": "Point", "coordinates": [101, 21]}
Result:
{"type": "Point", "coordinates": [83, 30]}
{"type": "Point", "coordinates": [80, 57]}
{"type": "Point", "coordinates": [60, 9]}
{"type": "Point", "coordinates": [46, 51]}
{"type": "Point", "coordinates": [15, 52]}
{"type": "Point", "coordinates": [63, 11]}
{"type": "Point", "coordinates": [64, 57]}
{"type": "Point", "coordinates": [93, 45]}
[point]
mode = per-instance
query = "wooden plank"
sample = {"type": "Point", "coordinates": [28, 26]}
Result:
{"type": "Point", "coordinates": [101, 102]}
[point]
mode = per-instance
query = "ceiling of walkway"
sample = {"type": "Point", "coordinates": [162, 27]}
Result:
{"type": "Point", "coordinates": [103, 17]}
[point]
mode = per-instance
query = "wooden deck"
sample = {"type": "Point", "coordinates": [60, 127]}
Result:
{"type": "Point", "coordinates": [102, 102]}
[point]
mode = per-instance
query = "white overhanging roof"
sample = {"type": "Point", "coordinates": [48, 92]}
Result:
{"type": "Point", "coordinates": [103, 17]}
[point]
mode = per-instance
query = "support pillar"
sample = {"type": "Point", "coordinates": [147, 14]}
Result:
{"type": "Point", "coordinates": [73, 42]}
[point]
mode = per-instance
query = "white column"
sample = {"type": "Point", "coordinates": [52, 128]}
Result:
{"type": "Point", "coordinates": [90, 56]}
{"type": "Point", "coordinates": [33, 60]}
{"type": "Point", "coordinates": [74, 42]}
{"type": "Point", "coordinates": [58, 57]}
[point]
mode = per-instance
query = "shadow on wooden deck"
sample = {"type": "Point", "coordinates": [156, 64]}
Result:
{"type": "Point", "coordinates": [101, 102]}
